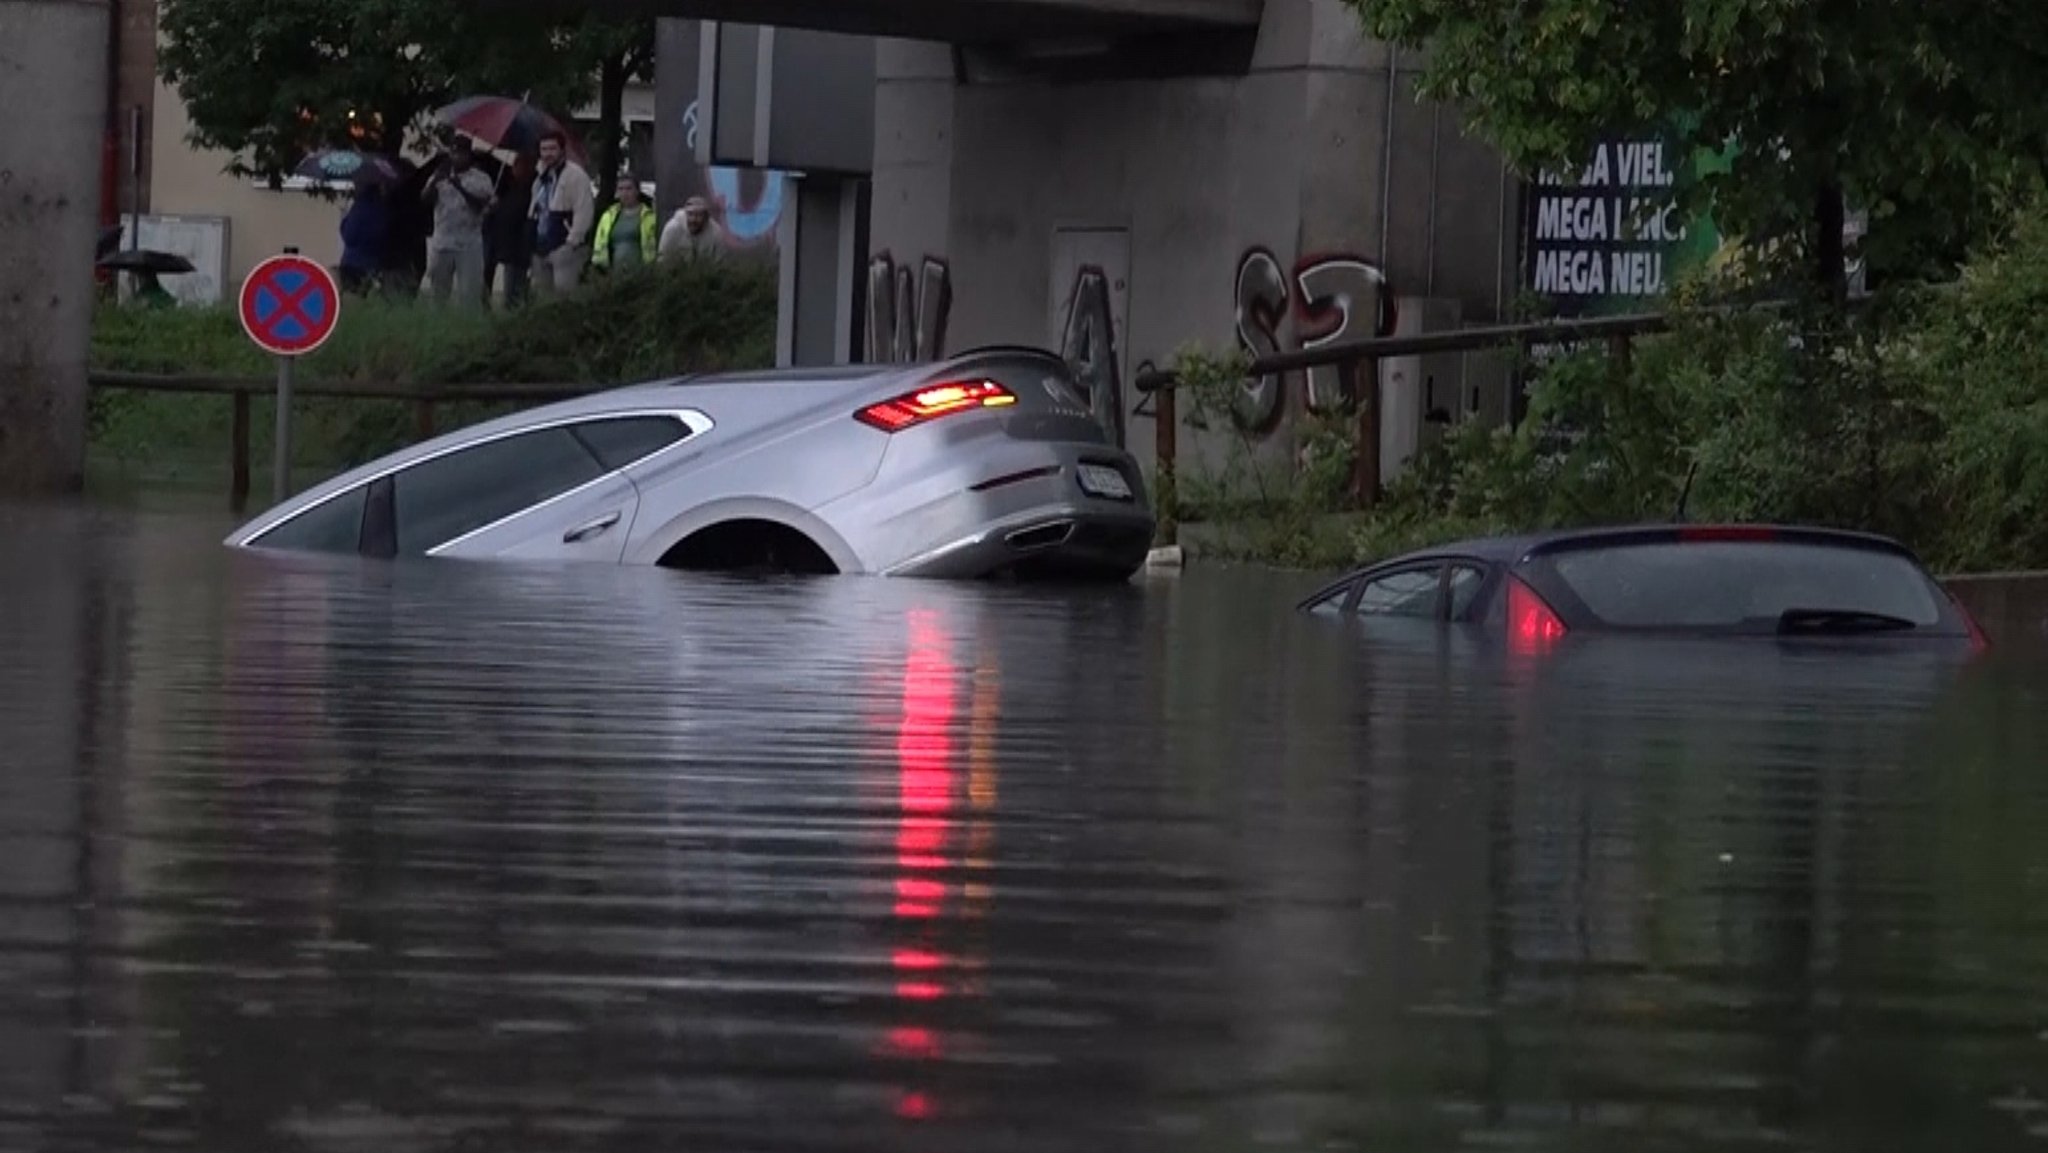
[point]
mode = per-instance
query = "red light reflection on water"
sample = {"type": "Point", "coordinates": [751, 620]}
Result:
{"type": "Point", "coordinates": [924, 770]}
{"type": "Point", "coordinates": [925, 781]}
{"type": "Point", "coordinates": [914, 1106]}
{"type": "Point", "coordinates": [913, 1041]}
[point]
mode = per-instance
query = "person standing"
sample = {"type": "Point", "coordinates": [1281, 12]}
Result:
{"type": "Point", "coordinates": [404, 264]}
{"type": "Point", "coordinates": [625, 233]}
{"type": "Point", "coordinates": [455, 253]}
{"type": "Point", "coordinates": [508, 233]}
{"type": "Point", "coordinates": [365, 233]}
{"type": "Point", "coordinates": [564, 206]}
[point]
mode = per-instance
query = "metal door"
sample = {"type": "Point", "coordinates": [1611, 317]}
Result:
{"type": "Point", "coordinates": [585, 524]}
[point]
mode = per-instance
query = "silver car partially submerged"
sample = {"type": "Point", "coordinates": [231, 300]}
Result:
{"type": "Point", "coordinates": [987, 463]}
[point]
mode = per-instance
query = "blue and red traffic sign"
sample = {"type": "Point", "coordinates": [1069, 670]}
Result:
{"type": "Point", "coordinates": [289, 305]}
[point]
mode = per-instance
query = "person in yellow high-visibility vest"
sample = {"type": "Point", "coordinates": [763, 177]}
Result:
{"type": "Point", "coordinates": [625, 236]}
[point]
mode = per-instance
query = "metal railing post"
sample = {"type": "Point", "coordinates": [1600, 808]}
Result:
{"type": "Point", "coordinates": [1166, 446]}
{"type": "Point", "coordinates": [238, 454]}
{"type": "Point", "coordinates": [1364, 377]}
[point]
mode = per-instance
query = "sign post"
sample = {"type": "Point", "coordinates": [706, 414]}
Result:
{"type": "Point", "coordinates": [289, 306]}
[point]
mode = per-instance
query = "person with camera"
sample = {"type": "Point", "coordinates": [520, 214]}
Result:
{"type": "Point", "coordinates": [460, 196]}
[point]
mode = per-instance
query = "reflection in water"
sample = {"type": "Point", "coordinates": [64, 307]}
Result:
{"type": "Point", "coordinates": [300, 854]}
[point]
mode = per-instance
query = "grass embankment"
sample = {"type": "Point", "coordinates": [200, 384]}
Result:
{"type": "Point", "coordinates": [654, 323]}
{"type": "Point", "coordinates": [1923, 417]}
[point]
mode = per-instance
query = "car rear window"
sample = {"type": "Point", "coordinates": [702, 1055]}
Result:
{"type": "Point", "coordinates": [1707, 584]}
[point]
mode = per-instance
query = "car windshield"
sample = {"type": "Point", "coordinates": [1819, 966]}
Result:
{"type": "Point", "coordinates": [1708, 584]}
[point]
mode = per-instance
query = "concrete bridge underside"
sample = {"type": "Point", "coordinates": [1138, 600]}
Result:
{"type": "Point", "coordinates": [968, 21]}
{"type": "Point", "coordinates": [1115, 179]}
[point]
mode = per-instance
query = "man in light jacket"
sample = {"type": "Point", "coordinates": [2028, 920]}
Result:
{"type": "Point", "coordinates": [564, 208]}
{"type": "Point", "coordinates": [692, 233]}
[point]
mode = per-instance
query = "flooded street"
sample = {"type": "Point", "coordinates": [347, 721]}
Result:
{"type": "Point", "coordinates": [305, 854]}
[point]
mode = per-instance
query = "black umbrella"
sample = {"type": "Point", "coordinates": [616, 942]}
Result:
{"type": "Point", "coordinates": [147, 260]}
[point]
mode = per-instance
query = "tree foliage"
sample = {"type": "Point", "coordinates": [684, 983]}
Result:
{"type": "Point", "coordinates": [270, 82]}
{"type": "Point", "coordinates": [621, 50]}
{"type": "Point", "coordinates": [1927, 115]}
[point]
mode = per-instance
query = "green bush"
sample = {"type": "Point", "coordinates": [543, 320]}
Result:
{"type": "Point", "coordinates": [645, 324]}
{"type": "Point", "coordinates": [1270, 507]}
{"type": "Point", "coordinates": [1923, 416]}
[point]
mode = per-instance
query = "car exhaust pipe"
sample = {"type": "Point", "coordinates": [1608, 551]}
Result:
{"type": "Point", "coordinates": [1040, 536]}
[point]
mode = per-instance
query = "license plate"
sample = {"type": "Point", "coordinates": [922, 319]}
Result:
{"type": "Point", "coordinates": [1098, 480]}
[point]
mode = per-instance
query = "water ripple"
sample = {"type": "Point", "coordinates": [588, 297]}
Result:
{"type": "Point", "coordinates": [304, 854]}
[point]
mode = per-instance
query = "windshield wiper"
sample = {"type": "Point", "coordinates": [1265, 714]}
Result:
{"type": "Point", "coordinates": [1839, 621]}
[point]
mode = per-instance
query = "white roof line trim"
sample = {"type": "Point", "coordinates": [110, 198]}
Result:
{"type": "Point", "coordinates": [695, 421]}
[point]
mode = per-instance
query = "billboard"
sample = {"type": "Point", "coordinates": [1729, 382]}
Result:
{"type": "Point", "coordinates": [1609, 236]}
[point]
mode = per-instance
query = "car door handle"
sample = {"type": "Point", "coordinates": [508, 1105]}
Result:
{"type": "Point", "coordinates": [591, 528]}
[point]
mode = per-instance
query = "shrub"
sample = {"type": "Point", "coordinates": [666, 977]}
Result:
{"type": "Point", "coordinates": [645, 324]}
{"type": "Point", "coordinates": [1923, 416]}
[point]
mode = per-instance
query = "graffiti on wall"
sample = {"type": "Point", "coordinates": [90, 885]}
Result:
{"type": "Point", "coordinates": [1089, 348]}
{"type": "Point", "coordinates": [747, 202]}
{"type": "Point", "coordinates": [1323, 299]}
{"type": "Point", "coordinates": [907, 310]}
{"type": "Point", "coordinates": [1327, 299]}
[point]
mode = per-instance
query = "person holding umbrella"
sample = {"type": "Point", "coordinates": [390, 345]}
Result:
{"type": "Point", "coordinates": [460, 196]}
{"type": "Point", "coordinates": [508, 232]}
{"type": "Point", "coordinates": [564, 206]}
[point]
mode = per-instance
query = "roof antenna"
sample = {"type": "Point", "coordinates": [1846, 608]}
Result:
{"type": "Point", "coordinates": [1685, 493]}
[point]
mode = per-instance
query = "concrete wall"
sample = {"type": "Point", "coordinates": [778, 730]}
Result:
{"type": "Point", "coordinates": [1275, 207]}
{"type": "Point", "coordinates": [2011, 608]}
{"type": "Point", "coordinates": [135, 87]}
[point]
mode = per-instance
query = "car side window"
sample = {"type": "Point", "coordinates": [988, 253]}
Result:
{"type": "Point", "coordinates": [456, 494]}
{"type": "Point", "coordinates": [334, 525]}
{"type": "Point", "coordinates": [1409, 593]}
{"type": "Point", "coordinates": [621, 441]}
{"type": "Point", "coordinates": [1465, 581]}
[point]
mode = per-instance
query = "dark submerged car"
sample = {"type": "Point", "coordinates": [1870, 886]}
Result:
{"type": "Point", "coordinates": [1665, 580]}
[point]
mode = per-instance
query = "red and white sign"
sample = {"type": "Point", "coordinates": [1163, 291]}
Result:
{"type": "Point", "coordinates": [289, 305]}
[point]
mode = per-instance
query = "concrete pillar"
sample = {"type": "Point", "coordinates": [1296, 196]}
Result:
{"type": "Point", "coordinates": [821, 239]}
{"type": "Point", "coordinates": [53, 84]}
{"type": "Point", "coordinates": [913, 167]}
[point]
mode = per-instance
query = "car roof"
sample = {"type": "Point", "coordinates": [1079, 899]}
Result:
{"type": "Point", "coordinates": [1508, 550]}
{"type": "Point", "coordinates": [743, 397]}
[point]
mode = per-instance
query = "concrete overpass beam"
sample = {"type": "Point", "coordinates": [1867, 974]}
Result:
{"type": "Point", "coordinates": [960, 21]}
{"type": "Point", "coordinates": [1119, 212]}
{"type": "Point", "coordinates": [53, 81]}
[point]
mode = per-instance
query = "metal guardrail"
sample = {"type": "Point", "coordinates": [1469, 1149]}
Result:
{"type": "Point", "coordinates": [1475, 339]}
{"type": "Point", "coordinates": [1358, 359]}
{"type": "Point", "coordinates": [1352, 357]}
{"type": "Point", "coordinates": [344, 389]}
{"type": "Point", "coordinates": [239, 390]}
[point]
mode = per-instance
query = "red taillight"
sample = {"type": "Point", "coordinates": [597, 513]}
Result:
{"type": "Point", "coordinates": [1708, 532]}
{"type": "Point", "coordinates": [932, 402]}
{"type": "Point", "coordinates": [1531, 623]}
{"type": "Point", "coordinates": [1978, 640]}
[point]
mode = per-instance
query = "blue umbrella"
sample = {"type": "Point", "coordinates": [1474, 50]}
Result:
{"type": "Point", "coordinates": [348, 164]}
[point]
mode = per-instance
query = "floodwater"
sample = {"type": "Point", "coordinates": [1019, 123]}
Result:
{"type": "Point", "coordinates": [311, 855]}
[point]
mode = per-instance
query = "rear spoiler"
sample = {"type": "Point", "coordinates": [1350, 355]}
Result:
{"type": "Point", "coordinates": [1677, 533]}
